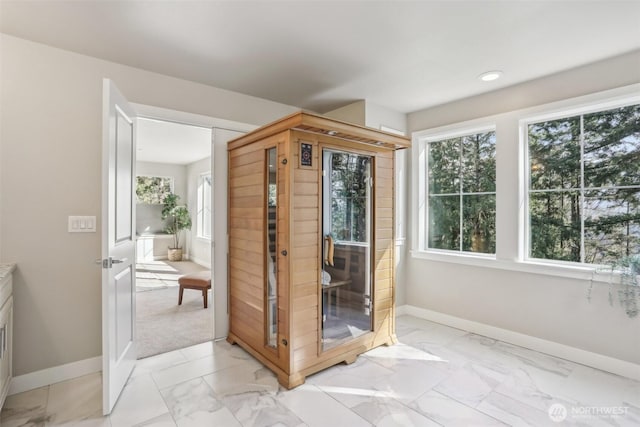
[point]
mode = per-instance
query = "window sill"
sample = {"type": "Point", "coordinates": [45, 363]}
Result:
{"type": "Point", "coordinates": [532, 267]}
{"type": "Point", "coordinates": [203, 239]}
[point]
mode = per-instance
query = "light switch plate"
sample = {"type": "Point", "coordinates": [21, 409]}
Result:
{"type": "Point", "coordinates": [82, 224]}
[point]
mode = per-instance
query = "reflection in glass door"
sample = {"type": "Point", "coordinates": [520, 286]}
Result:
{"type": "Point", "coordinates": [346, 258]}
{"type": "Point", "coordinates": [272, 269]}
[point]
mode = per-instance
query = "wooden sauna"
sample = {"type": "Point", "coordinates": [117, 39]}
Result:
{"type": "Point", "coordinates": [311, 243]}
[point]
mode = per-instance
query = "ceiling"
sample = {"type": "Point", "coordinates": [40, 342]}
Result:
{"type": "Point", "coordinates": [173, 143]}
{"type": "Point", "coordinates": [320, 55]}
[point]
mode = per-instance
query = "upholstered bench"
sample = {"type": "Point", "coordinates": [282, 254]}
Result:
{"type": "Point", "coordinates": [200, 281]}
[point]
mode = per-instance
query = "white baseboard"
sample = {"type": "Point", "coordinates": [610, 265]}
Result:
{"type": "Point", "coordinates": [573, 354]}
{"type": "Point", "coordinates": [204, 263]}
{"type": "Point", "coordinates": [54, 375]}
{"type": "Point", "coordinates": [401, 310]}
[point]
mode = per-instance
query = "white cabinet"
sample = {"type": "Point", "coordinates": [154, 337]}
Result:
{"type": "Point", "coordinates": [6, 335]}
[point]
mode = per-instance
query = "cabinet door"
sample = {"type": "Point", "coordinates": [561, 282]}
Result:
{"type": "Point", "coordinates": [6, 337]}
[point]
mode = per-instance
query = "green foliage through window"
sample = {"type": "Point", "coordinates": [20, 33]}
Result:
{"type": "Point", "coordinates": [349, 196]}
{"type": "Point", "coordinates": [153, 189]}
{"type": "Point", "coordinates": [462, 199]}
{"type": "Point", "coordinates": [584, 189]}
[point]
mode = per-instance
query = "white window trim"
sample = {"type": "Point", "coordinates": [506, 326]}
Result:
{"type": "Point", "coordinates": [513, 262]}
{"type": "Point", "coordinates": [525, 175]}
{"type": "Point", "coordinates": [420, 196]}
{"type": "Point", "coordinates": [199, 201]}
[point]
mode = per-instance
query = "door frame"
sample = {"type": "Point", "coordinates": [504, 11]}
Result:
{"type": "Point", "coordinates": [219, 246]}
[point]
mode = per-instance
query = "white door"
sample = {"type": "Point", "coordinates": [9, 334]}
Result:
{"type": "Point", "coordinates": [118, 244]}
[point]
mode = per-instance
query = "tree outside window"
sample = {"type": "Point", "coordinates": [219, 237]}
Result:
{"type": "Point", "coordinates": [349, 196]}
{"type": "Point", "coordinates": [153, 189]}
{"type": "Point", "coordinates": [584, 187]}
{"type": "Point", "coordinates": [461, 193]}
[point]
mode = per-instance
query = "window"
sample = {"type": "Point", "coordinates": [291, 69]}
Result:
{"type": "Point", "coordinates": [461, 192]}
{"type": "Point", "coordinates": [153, 189]}
{"type": "Point", "coordinates": [349, 191]}
{"type": "Point", "coordinates": [204, 206]}
{"type": "Point", "coordinates": [584, 186]}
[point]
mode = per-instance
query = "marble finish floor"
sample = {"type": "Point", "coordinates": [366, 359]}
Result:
{"type": "Point", "coordinates": [435, 376]}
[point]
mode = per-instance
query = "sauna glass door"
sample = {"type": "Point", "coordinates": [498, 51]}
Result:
{"type": "Point", "coordinates": [347, 241]}
{"type": "Point", "coordinates": [271, 288]}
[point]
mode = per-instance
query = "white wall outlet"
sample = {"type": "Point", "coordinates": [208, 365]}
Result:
{"type": "Point", "coordinates": [82, 224]}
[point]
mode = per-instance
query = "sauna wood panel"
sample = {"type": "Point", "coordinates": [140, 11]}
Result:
{"type": "Point", "coordinates": [248, 169]}
{"type": "Point", "coordinates": [306, 239]}
{"type": "Point", "coordinates": [249, 266]}
{"type": "Point", "coordinates": [305, 175]}
{"type": "Point", "coordinates": [244, 159]}
{"type": "Point", "coordinates": [383, 293]}
{"type": "Point", "coordinates": [242, 181]}
{"type": "Point", "coordinates": [306, 214]}
{"type": "Point", "coordinates": [250, 213]}
{"type": "Point", "coordinates": [384, 233]}
{"type": "Point", "coordinates": [305, 188]}
{"type": "Point", "coordinates": [306, 202]}
{"type": "Point", "coordinates": [384, 223]}
{"type": "Point", "coordinates": [305, 276]}
{"type": "Point", "coordinates": [384, 162]}
{"type": "Point", "coordinates": [302, 290]}
{"type": "Point", "coordinates": [310, 251]}
{"type": "Point", "coordinates": [247, 245]}
{"type": "Point", "coordinates": [247, 191]}
{"type": "Point", "coordinates": [305, 264]}
{"type": "Point", "coordinates": [246, 234]}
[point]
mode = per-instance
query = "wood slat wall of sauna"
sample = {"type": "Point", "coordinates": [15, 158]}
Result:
{"type": "Point", "coordinates": [306, 217]}
{"type": "Point", "coordinates": [383, 313]}
{"type": "Point", "coordinates": [247, 168]}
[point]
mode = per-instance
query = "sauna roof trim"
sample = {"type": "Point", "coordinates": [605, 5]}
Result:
{"type": "Point", "coordinates": [318, 124]}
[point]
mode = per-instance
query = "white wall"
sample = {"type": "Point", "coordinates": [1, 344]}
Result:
{"type": "Point", "coordinates": [221, 240]}
{"type": "Point", "coordinates": [351, 113]}
{"type": "Point", "coordinates": [544, 306]}
{"type": "Point", "coordinates": [199, 248]}
{"type": "Point", "coordinates": [51, 140]}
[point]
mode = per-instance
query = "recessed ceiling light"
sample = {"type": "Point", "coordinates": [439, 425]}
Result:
{"type": "Point", "coordinates": [490, 76]}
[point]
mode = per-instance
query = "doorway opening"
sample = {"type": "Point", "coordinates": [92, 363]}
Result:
{"type": "Point", "coordinates": [174, 231]}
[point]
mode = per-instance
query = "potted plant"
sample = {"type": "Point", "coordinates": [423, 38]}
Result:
{"type": "Point", "coordinates": [625, 273]}
{"type": "Point", "coordinates": [179, 219]}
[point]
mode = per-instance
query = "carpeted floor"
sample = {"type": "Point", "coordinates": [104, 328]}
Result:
{"type": "Point", "coordinates": [162, 324]}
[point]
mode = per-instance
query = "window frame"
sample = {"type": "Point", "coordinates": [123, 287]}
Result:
{"type": "Point", "coordinates": [510, 247]}
{"type": "Point", "coordinates": [421, 144]}
{"type": "Point", "coordinates": [200, 208]}
{"type": "Point", "coordinates": [549, 115]}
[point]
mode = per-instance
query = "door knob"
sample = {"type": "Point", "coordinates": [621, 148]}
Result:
{"type": "Point", "coordinates": [108, 262]}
